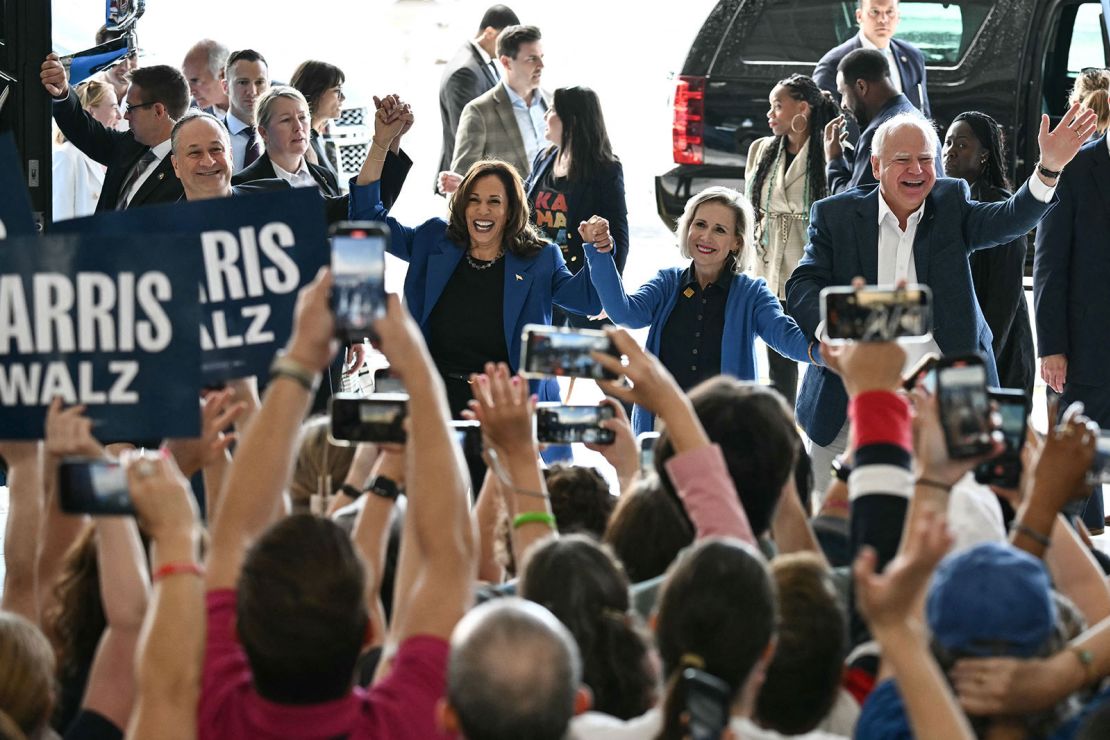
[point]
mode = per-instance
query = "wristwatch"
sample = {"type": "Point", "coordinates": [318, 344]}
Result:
{"type": "Point", "coordinates": [384, 488]}
{"type": "Point", "coordinates": [1050, 174]}
{"type": "Point", "coordinates": [350, 491]}
{"type": "Point", "coordinates": [841, 469]}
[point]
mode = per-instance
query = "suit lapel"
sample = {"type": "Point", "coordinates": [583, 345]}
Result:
{"type": "Point", "coordinates": [518, 282]}
{"type": "Point", "coordinates": [441, 266]}
{"type": "Point", "coordinates": [1100, 170]}
{"type": "Point", "coordinates": [486, 69]}
{"type": "Point", "coordinates": [797, 168]}
{"type": "Point", "coordinates": [921, 240]}
{"type": "Point", "coordinates": [504, 109]}
{"type": "Point", "coordinates": [867, 241]}
{"type": "Point", "coordinates": [160, 173]}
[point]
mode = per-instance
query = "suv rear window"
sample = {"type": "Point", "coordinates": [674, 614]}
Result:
{"type": "Point", "coordinates": [803, 30]}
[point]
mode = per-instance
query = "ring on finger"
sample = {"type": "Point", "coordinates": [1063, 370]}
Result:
{"type": "Point", "coordinates": [144, 468]}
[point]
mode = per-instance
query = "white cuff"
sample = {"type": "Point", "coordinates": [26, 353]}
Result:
{"type": "Point", "coordinates": [1039, 190]}
{"type": "Point", "coordinates": [886, 480]}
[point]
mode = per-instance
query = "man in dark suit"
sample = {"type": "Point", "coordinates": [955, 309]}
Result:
{"type": "Point", "coordinates": [204, 71]}
{"type": "Point", "coordinates": [869, 98]}
{"type": "Point", "coordinates": [139, 169]}
{"type": "Point", "coordinates": [878, 20]}
{"type": "Point", "coordinates": [471, 72]}
{"type": "Point", "coordinates": [920, 229]}
{"type": "Point", "coordinates": [1070, 298]}
{"type": "Point", "coordinates": [246, 79]}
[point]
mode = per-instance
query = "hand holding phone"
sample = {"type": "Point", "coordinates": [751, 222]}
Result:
{"type": "Point", "coordinates": [964, 406]}
{"type": "Point", "coordinates": [1005, 469]}
{"type": "Point", "coordinates": [558, 424]}
{"type": "Point", "coordinates": [93, 486]}
{"type": "Point", "coordinates": [358, 270]}
{"type": "Point", "coordinates": [876, 314]}
{"type": "Point", "coordinates": [549, 351]}
{"type": "Point", "coordinates": [378, 418]}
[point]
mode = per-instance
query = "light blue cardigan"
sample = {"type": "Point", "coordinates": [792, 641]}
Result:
{"type": "Point", "coordinates": [751, 310]}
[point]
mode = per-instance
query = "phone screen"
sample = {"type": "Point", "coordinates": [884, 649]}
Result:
{"type": "Point", "coordinates": [876, 315]}
{"type": "Point", "coordinates": [564, 353]}
{"type": "Point", "coordinates": [358, 290]}
{"type": "Point", "coordinates": [379, 418]}
{"type": "Point", "coordinates": [647, 450]}
{"type": "Point", "coordinates": [93, 487]}
{"type": "Point", "coordinates": [570, 424]}
{"type": "Point", "coordinates": [964, 408]}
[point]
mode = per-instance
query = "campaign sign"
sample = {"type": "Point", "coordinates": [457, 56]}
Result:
{"type": "Point", "coordinates": [258, 251]}
{"type": "Point", "coordinates": [101, 323]}
{"type": "Point", "coordinates": [15, 206]}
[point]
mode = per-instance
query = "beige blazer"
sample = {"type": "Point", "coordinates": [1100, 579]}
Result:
{"type": "Point", "coordinates": [488, 130]}
{"type": "Point", "coordinates": [783, 217]}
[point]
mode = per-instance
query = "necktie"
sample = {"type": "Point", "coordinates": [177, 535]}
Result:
{"type": "Point", "coordinates": [136, 172]}
{"type": "Point", "coordinates": [254, 147]}
{"type": "Point", "coordinates": [496, 71]}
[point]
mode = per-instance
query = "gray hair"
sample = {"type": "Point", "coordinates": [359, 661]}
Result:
{"type": "Point", "coordinates": [513, 672]}
{"type": "Point", "coordinates": [263, 108]}
{"type": "Point", "coordinates": [216, 53]}
{"type": "Point", "coordinates": [194, 115]}
{"type": "Point", "coordinates": [741, 208]}
{"type": "Point", "coordinates": [922, 124]}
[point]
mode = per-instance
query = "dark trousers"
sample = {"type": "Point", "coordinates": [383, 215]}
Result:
{"type": "Point", "coordinates": [1096, 406]}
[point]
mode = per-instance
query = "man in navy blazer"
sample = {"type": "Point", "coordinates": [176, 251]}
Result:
{"type": "Point", "coordinates": [1071, 303]}
{"type": "Point", "coordinates": [920, 229]}
{"type": "Point", "coordinates": [868, 97]}
{"type": "Point", "coordinates": [878, 20]}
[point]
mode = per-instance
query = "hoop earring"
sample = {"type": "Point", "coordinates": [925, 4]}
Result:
{"type": "Point", "coordinates": [805, 122]}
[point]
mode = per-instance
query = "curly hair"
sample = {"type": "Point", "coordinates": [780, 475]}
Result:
{"type": "Point", "coordinates": [520, 237]}
{"type": "Point", "coordinates": [990, 137]}
{"type": "Point", "coordinates": [1091, 89]}
{"type": "Point", "coordinates": [580, 499]}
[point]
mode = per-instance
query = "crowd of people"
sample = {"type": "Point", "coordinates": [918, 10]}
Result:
{"type": "Point", "coordinates": [747, 582]}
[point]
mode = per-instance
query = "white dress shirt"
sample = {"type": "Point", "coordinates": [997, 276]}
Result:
{"type": "Point", "coordinates": [239, 141]}
{"type": "Point", "coordinates": [161, 152]}
{"type": "Point", "coordinates": [302, 178]}
{"type": "Point", "coordinates": [529, 119]}
{"type": "Point", "coordinates": [895, 76]}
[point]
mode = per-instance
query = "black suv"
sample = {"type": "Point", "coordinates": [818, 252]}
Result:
{"type": "Point", "coordinates": [1012, 59]}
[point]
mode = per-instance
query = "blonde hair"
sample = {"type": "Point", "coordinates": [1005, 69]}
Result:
{"type": "Point", "coordinates": [317, 460]}
{"type": "Point", "coordinates": [741, 208]}
{"type": "Point", "coordinates": [262, 109]}
{"type": "Point", "coordinates": [1092, 89]}
{"type": "Point", "coordinates": [90, 94]}
{"type": "Point", "coordinates": [27, 678]}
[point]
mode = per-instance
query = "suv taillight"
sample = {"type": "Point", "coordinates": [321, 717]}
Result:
{"type": "Point", "coordinates": [689, 120]}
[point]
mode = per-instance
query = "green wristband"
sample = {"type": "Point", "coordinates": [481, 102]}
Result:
{"type": "Point", "coordinates": [537, 517]}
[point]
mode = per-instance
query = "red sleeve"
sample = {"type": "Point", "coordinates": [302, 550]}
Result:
{"type": "Point", "coordinates": [404, 701]}
{"type": "Point", "coordinates": [226, 670]}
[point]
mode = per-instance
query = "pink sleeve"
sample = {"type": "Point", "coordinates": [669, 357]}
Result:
{"type": "Point", "coordinates": [701, 478]}
{"type": "Point", "coordinates": [226, 672]}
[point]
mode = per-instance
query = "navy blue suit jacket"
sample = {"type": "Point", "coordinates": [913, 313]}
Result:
{"type": "Point", "coordinates": [854, 168]}
{"type": "Point", "coordinates": [1071, 270]}
{"type": "Point", "coordinates": [910, 63]}
{"type": "Point", "coordinates": [843, 243]}
{"type": "Point", "coordinates": [532, 284]}
{"type": "Point", "coordinates": [602, 196]}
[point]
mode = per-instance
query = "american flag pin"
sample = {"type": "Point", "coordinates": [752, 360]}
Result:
{"type": "Point", "coordinates": [161, 175]}
{"type": "Point", "coordinates": [518, 277]}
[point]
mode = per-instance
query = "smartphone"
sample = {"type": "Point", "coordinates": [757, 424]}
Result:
{"type": "Point", "coordinates": [557, 424]}
{"type": "Point", "coordinates": [1005, 470]}
{"type": "Point", "coordinates": [1100, 469]}
{"type": "Point", "coordinates": [358, 272]}
{"type": "Point", "coordinates": [923, 371]}
{"type": "Point", "coordinates": [964, 406]}
{"type": "Point", "coordinates": [93, 486]}
{"type": "Point", "coordinates": [550, 351]}
{"type": "Point", "coordinates": [708, 701]}
{"type": "Point", "coordinates": [468, 435]}
{"type": "Point", "coordinates": [646, 440]}
{"type": "Point", "coordinates": [386, 382]}
{"type": "Point", "coordinates": [876, 314]}
{"type": "Point", "coordinates": [377, 418]}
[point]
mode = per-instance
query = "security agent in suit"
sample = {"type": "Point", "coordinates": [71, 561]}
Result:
{"type": "Point", "coordinates": [139, 170]}
{"type": "Point", "coordinates": [506, 122]}
{"type": "Point", "coordinates": [471, 72]}
{"type": "Point", "coordinates": [918, 228]}
{"type": "Point", "coordinates": [868, 97]}
{"type": "Point", "coordinates": [878, 20]}
{"type": "Point", "coordinates": [1070, 300]}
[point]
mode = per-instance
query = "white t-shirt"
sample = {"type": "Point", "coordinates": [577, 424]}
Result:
{"type": "Point", "coordinates": [597, 726]}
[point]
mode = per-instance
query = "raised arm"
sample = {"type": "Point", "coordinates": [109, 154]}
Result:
{"type": "Point", "coordinates": [438, 542]}
{"type": "Point", "coordinates": [614, 209]}
{"type": "Point", "coordinates": [21, 536]}
{"type": "Point", "coordinates": [171, 646]}
{"type": "Point", "coordinates": [371, 533]}
{"type": "Point", "coordinates": [86, 133]}
{"type": "Point", "coordinates": [574, 292]}
{"type": "Point", "coordinates": [633, 311]}
{"type": "Point", "coordinates": [264, 457]}
{"type": "Point", "coordinates": [813, 273]}
{"type": "Point", "coordinates": [779, 330]}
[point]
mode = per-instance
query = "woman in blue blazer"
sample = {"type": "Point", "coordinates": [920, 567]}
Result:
{"type": "Point", "coordinates": [703, 318]}
{"type": "Point", "coordinates": [476, 279]}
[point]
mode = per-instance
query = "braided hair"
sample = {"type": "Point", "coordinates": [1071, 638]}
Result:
{"type": "Point", "coordinates": [822, 109]}
{"type": "Point", "coordinates": [989, 134]}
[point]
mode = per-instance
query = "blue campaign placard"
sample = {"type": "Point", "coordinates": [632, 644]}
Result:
{"type": "Point", "coordinates": [258, 251]}
{"type": "Point", "coordinates": [15, 205]}
{"type": "Point", "coordinates": [92, 320]}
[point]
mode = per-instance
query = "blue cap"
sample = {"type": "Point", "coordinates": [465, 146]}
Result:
{"type": "Point", "coordinates": [883, 717]}
{"type": "Point", "coordinates": [992, 599]}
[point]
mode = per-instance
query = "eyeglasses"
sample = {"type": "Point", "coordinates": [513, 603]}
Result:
{"type": "Point", "coordinates": [127, 107]}
{"type": "Point", "coordinates": [339, 92]}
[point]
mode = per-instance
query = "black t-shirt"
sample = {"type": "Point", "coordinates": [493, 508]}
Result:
{"type": "Point", "coordinates": [690, 346]}
{"type": "Point", "coordinates": [465, 328]}
{"type": "Point", "coordinates": [549, 213]}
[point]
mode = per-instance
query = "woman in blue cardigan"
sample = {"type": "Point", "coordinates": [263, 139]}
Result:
{"type": "Point", "coordinates": [476, 279]}
{"type": "Point", "coordinates": [704, 318]}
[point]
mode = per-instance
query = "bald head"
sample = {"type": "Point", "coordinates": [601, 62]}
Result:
{"type": "Point", "coordinates": [201, 156]}
{"type": "Point", "coordinates": [514, 672]}
{"type": "Point", "coordinates": [203, 69]}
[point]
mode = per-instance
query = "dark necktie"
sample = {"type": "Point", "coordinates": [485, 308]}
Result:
{"type": "Point", "coordinates": [136, 172]}
{"type": "Point", "coordinates": [496, 71]}
{"type": "Point", "coordinates": [254, 147]}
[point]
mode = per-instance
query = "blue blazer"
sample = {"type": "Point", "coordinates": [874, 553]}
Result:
{"type": "Point", "coordinates": [854, 168]}
{"type": "Point", "coordinates": [1071, 270]}
{"type": "Point", "coordinates": [843, 243]}
{"type": "Point", "coordinates": [910, 63]}
{"type": "Point", "coordinates": [532, 284]}
{"type": "Point", "coordinates": [751, 309]}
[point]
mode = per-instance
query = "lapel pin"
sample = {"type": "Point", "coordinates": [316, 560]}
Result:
{"type": "Point", "coordinates": [904, 59]}
{"type": "Point", "coordinates": [518, 277]}
{"type": "Point", "coordinates": [161, 175]}
{"type": "Point", "coordinates": [689, 292]}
